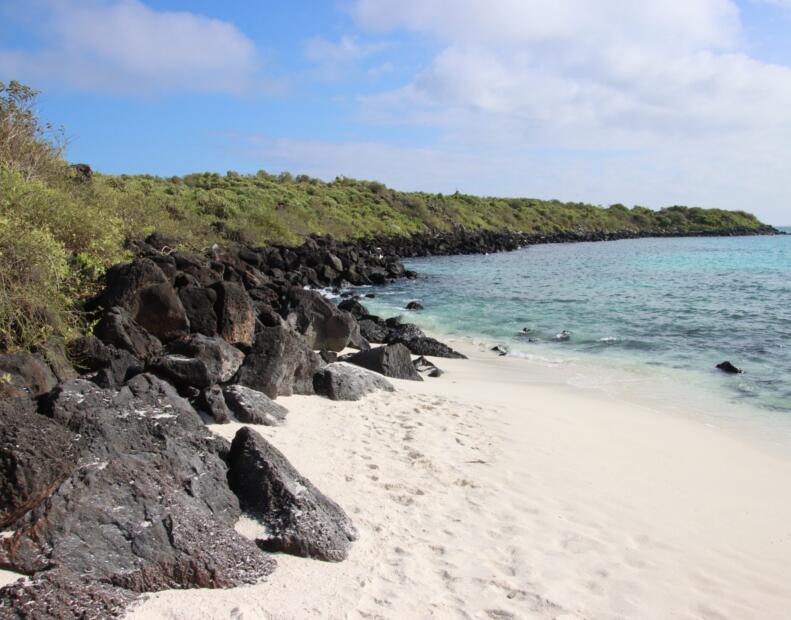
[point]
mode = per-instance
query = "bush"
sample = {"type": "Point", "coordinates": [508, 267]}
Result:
{"type": "Point", "coordinates": [35, 286]}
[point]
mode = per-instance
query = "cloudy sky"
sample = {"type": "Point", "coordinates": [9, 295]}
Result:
{"type": "Point", "coordinates": [603, 101]}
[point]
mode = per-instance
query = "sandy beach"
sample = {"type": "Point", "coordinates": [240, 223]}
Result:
{"type": "Point", "coordinates": [480, 495]}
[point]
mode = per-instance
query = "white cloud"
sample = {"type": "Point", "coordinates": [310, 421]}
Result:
{"type": "Point", "coordinates": [125, 46]}
{"type": "Point", "coordinates": [337, 58]}
{"type": "Point", "coordinates": [668, 82]}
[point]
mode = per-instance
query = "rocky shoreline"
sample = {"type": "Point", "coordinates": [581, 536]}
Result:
{"type": "Point", "coordinates": [111, 483]}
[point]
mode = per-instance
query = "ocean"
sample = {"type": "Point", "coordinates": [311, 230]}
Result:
{"type": "Point", "coordinates": [651, 317]}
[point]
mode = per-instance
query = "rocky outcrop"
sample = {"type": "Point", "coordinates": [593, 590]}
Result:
{"type": "Point", "coordinates": [298, 518]}
{"type": "Point", "coordinates": [118, 329]}
{"type": "Point", "coordinates": [340, 381]}
{"type": "Point", "coordinates": [392, 360]}
{"type": "Point", "coordinates": [143, 504]}
{"type": "Point", "coordinates": [235, 314]}
{"type": "Point", "coordinates": [426, 345]}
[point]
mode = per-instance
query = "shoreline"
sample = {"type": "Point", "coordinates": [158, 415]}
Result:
{"type": "Point", "coordinates": [478, 494]}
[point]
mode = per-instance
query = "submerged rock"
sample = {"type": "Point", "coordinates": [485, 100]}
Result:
{"type": "Point", "coordinates": [729, 368]}
{"type": "Point", "coordinates": [414, 305]}
{"type": "Point", "coordinates": [339, 381]}
{"type": "Point", "coordinates": [299, 519]}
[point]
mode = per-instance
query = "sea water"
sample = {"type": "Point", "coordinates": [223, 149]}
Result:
{"type": "Point", "coordinates": [650, 317]}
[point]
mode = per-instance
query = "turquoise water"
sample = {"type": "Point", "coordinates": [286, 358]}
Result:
{"type": "Point", "coordinates": [674, 306]}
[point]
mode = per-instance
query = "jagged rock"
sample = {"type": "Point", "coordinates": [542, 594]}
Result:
{"type": "Point", "coordinates": [299, 518]}
{"type": "Point", "coordinates": [320, 321]}
{"type": "Point", "coordinates": [414, 305]}
{"type": "Point", "coordinates": [25, 374]}
{"type": "Point", "coordinates": [429, 346]}
{"type": "Point", "coordinates": [148, 506]}
{"type": "Point", "coordinates": [36, 455]}
{"type": "Point", "coordinates": [280, 362]}
{"type": "Point", "coordinates": [339, 381]}
{"type": "Point", "coordinates": [117, 328]}
{"type": "Point", "coordinates": [199, 303]}
{"type": "Point", "coordinates": [161, 312]}
{"type": "Point", "coordinates": [112, 367]}
{"type": "Point", "coordinates": [729, 368]}
{"type": "Point", "coordinates": [373, 329]}
{"type": "Point", "coordinates": [221, 359]}
{"type": "Point", "coordinates": [212, 402]}
{"type": "Point", "coordinates": [354, 307]}
{"type": "Point", "coordinates": [392, 360]}
{"type": "Point", "coordinates": [254, 407]}
{"type": "Point", "coordinates": [62, 595]}
{"type": "Point", "coordinates": [402, 332]}
{"type": "Point", "coordinates": [235, 313]}
{"type": "Point", "coordinates": [145, 292]}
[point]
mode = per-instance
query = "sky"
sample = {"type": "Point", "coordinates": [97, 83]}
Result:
{"type": "Point", "coordinates": [600, 101]}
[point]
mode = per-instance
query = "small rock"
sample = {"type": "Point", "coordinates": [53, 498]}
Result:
{"type": "Point", "coordinates": [500, 349]}
{"type": "Point", "coordinates": [414, 305]}
{"type": "Point", "coordinates": [729, 368]}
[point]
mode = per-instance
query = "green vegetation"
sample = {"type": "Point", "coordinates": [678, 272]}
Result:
{"type": "Point", "coordinates": [59, 229]}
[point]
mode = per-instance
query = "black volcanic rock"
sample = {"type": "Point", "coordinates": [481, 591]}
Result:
{"type": "Point", "coordinates": [414, 305]}
{"type": "Point", "coordinates": [199, 303]}
{"type": "Point", "coordinates": [280, 362]}
{"type": "Point", "coordinates": [36, 455]}
{"type": "Point", "coordinates": [147, 506]}
{"type": "Point", "coordinates": [25, 374]}
{"type": "Point", "coordinates": [321, 322]}
{"type": "Point", "coordinates": [392, 360]}
{"type": "Point", "coordinates": [426, 345]}
{"type": "Point", "coordinates": [339, 381]}
{"type": "Point", "coordinates": [299, 518]}
{"type": "Point", "coordinates": [729, 368]}
{"type": "Point", "coordinates": [253, 407]}
{"type": "Point", "coordinates": [235, 314]}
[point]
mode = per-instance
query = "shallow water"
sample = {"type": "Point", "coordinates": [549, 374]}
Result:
{"type": "Point", "coordinates": [642, 311]}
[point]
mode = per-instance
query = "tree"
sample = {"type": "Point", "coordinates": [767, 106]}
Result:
{"type": "Point", "coordinates": [27, 145]}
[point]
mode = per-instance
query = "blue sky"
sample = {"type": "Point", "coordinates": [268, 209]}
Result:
{"type": "Point", "coordinates": [679, 102]}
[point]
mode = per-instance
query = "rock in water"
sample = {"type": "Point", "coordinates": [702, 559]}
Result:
{"type": "Point", "coordinates": [500, 349]}
{"type": "Point", "coordinates": [729, 368]}
{"type": "Point", "coordinates": [339, 381]}
{"type": "Point", "coordinates": [254, 407]}
{"type": "Point", "coordinates": [392, 360]}
{"type": "Point", "coordinates": [299, 518]}
{"type": "Point", "coordinates": [414, 305]}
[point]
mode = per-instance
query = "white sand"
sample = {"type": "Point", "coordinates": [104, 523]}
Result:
{"type": "Point", "coordinates": [479, 495]}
